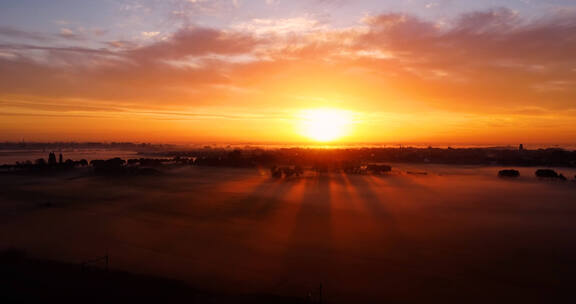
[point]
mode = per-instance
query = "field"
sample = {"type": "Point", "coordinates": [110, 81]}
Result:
{"type": "Point", "coordinates": [456, 235]}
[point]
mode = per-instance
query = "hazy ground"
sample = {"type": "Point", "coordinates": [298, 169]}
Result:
{"type": "Point", "coordinates": [458, 234]}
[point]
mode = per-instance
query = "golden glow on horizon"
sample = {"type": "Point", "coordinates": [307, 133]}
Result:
{"type": "Point", "coordinates": [326, 125]}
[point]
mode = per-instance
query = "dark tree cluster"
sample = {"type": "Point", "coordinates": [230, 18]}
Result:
{"type": "Point", "coordinates": [158, 162]}
{"type": "Point", "coordinates": [549, 174]}
{"type": "Point", "coordinates": [351, 158]}
{"type": "Point", "coordinates": [540, 173]}
{"type": "Point", "coordinates": [509, 173]}
{"type": "Point", "coordinates": [53, 164]}
{"type": "Point", "coordinates": [286, 172]}
{"type": "Point", "coordinates": [378, 169]}
{"type": "Point", "coordinates": [223, 158]}
{"type": "Point", "coordinates": [118, 167]}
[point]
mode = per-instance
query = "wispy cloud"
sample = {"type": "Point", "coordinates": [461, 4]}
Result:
{"type": "Point", "coordinates": [20, 34]}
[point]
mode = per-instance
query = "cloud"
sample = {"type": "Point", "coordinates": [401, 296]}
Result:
{"type": "Point", "coordinates": [150, 34]}
{"type": "Point", "coordinates": [65, 33]}
{"type": "Point", "coordinates": [487, 57]}
{"type": "Point", "coordinates": [20, 34]}
{"type": "Point", "coordinates": [494, 35]}
{"type": "Point", "coordinates": [479, 62]}
{"type": "Point", "coordinates": [69, 34]}
{"type": "Point", "coordinates": [189, 9]}
{"type": "Point", "coordinates": [196, 41]}
{"type": "Point", "coordinates": [294, 26]}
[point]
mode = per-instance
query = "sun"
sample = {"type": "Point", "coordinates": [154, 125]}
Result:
{"type": "Point", "coordinates": [325, 125]}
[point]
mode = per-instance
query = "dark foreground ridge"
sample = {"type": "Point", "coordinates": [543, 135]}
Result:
{"type": "Point", "coordinates": [28, 280]}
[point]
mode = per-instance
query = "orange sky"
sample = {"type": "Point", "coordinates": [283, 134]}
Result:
{"type": "Point", "coordinates": [486, 77]}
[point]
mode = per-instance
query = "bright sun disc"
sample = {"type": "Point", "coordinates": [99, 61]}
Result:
{"type": "Point", "coordinates": [326, 125]}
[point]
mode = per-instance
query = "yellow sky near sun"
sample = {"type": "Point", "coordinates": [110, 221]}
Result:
{"type": "Point", "coordinates": [304, 125]}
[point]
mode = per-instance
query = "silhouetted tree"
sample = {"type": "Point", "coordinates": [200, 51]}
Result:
{"type": "Point", "coordinates": [509, 173]}
{"type": "Point", "coordinates": [378, 169]}
{"type": "Point", "coordinates": [275, 172]}
{"type": "Point", "coordinates": [546, 173]}
{"type": "Point", "coordinates": [51, 159]}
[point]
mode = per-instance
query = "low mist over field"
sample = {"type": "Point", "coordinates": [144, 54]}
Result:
{"type": "Point", "coordinates": [399, 237]}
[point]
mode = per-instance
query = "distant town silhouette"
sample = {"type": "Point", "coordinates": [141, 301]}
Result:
{"type": "Point", "coordinates": [292, 162]}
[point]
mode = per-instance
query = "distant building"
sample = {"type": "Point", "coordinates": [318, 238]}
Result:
{"type": "Point", "coordinates": [521, 148]}
{"type": "Point", "coordinates": [60, 159]}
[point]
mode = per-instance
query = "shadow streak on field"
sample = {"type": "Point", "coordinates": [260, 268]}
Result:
{"type": "Point", "coordinates": [372, 201]}
{"type": "Point", "coordinates": [310, 245]}
{"type": "Point", "coordinates": [264, 199]}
